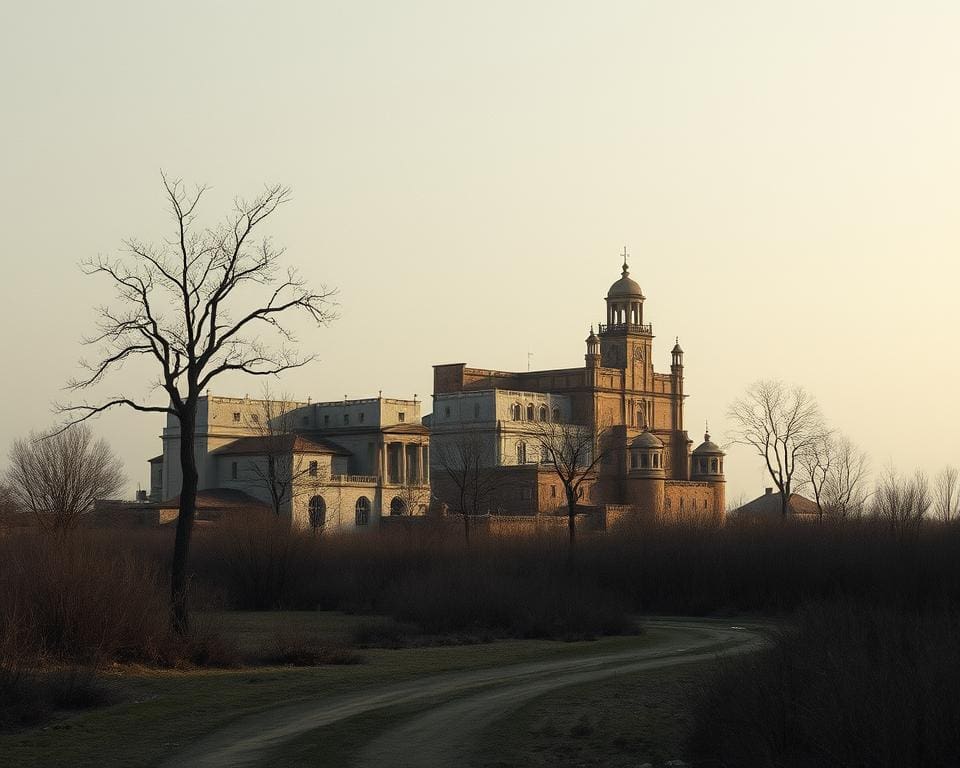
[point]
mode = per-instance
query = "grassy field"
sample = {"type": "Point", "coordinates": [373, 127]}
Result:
{"type": "Point", "coordinates": [624, 721]}
{"type": "Point", "coordinates": [157, 712]}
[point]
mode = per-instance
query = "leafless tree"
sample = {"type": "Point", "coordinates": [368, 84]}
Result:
{"type": "Point", "coordinates": [902, 502]}
{"type": "Point", "coordinates": [208, 301]}
{"type": "Point", "coordinates": [781, 424]}
{"type": "Point", "coordinates": [573, 452]}
{"type": "Point", "coordinates": [279, 467]}
{"type": "Point", "coordinates": [467, 467]}
{"type": "Point", "coordinates": [946, 503]}
{"type": "Point", "coordinates": [847, 488]}
{"type": "Point", "coordinates": [58, 478]}
{"type": "Point", "coordinates": [834, 470]}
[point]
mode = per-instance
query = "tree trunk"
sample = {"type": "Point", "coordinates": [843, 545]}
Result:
{"type": "Point", "coordinates": [179, 608]}
{"type": "Point", "coordinates": [571, 522]}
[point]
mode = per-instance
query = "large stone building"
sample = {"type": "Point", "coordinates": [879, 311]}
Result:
{"type": "Point", "coordinates": [338, 465]}
{"type": "Point", "coordinates": [633, 413]}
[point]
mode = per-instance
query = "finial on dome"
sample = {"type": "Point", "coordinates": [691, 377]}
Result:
{"type": "Point", "coordinates": [626, 268]}
{"type": "Point", "coordinates": [706, 431]}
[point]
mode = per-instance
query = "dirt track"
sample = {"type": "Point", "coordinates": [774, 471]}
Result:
{"type": "Point", "coordinates": [456, 705]}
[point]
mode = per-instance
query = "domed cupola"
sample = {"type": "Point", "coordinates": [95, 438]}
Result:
{"type": "Point", "coordinates": [707, 460]}
{"type": "Point", "coordinates": [646, 455]}
{"type": "Point", "coordinates": [624, 303]}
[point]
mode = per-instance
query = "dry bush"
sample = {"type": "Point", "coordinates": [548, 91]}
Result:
{"type": "Point", "coordinates": [301, 650]}
{"type": "Point", "coordinates": [846, 685]}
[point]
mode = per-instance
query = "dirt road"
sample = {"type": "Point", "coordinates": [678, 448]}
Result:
{"type": "Point", "coordinates": [457, 705]}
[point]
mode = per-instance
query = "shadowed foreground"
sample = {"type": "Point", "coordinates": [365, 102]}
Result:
{"type": "Point", "coordinates": [457, 706]}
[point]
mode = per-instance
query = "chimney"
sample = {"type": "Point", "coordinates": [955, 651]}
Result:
{"type": "Point", "coordinates": [768, 491]}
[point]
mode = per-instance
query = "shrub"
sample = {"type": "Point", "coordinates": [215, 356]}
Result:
{"type": "Point", "coordinates": [299, 650]}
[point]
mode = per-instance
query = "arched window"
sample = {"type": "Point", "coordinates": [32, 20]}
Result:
{"type": "Point", "coordinates": [318, 512]}
{"type": "Point", "coordinates": [363, 510]}
{"type": "Point", "coordinates": [515, 411]}
{"type": "Point", "coordinates": [543, 413]}
{"type": "Point", "coordinates": [397, 507]}
{"type": "Point", "coordinates": [556, 414]}
{"type": "Point", "coordinates": [521, 453]}
{"type": "Point", "coordinates": [530, 412]}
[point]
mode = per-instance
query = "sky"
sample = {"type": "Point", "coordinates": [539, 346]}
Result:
{"type": "Point", "coordinates": [785, 176]}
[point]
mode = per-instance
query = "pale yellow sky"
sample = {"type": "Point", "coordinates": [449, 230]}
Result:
{"type": "Point", "coordinates": [785, 175]}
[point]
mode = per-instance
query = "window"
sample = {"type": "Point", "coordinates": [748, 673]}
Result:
{"type": "Point", "coordinates": [543, 413]}
{"type": "Point", "coordinates": [318, 512]}
{"type": "Point", "coordinates": [669, 502]}
{"type": "Point", "coordinates": [361, 417]}
{"type": "Point", "coordinates": [681, 505]}
{"type": "Point", "coordinates": [556, 414]}
{"type": "Point", "coordinates": [579, 493]}
{"type": "Point", "coordinates": [713, 465]}
{"type": "Point", "coordinates": [401, 416]}
{"type": "Point", "coordinates": [644, 461]}
{"type": "Point", "coordinates": [236, 416]}
{"type": "Point", "coordinates": [476, 410]}
{"type": "Point", "coordinates": [515, 411]}
{"type": "Point", "coordinates": [326, 419]}
{"type": "Point", "coordinates": [704, 503]}
{"type": "Point", "coordinates": [313, 470]}
{"type": "Point", "coordinates": [233, 470]}
{"type": "Point", "coordinates": [346, 418]}
{"type": "Point", "coordinates": [521, 453]}
{"type": "Point", "coordinates": [544, 455]}
{"type": "Point", "coordinates": [363, 510]}
{"type": "Point", "coordinates": [446, 412]}
{"type": "Point", "coordinates": [634, 458]}
{"type": "Point", "coordinates": [530, 412]}
{"type": "Point", "coordinates": [397, 506]}
{"type": "Point", "coordinates": [255, 418]}
{"type": "Point", "coordinates": [553, 491]}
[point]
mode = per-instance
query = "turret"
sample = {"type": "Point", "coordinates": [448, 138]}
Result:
{"type": "Point", "coordinates": [707, 466]}
{"type": "Point", "coordinates": [646, 474]}
{"type": "Point", "coordinates": [593, 350]}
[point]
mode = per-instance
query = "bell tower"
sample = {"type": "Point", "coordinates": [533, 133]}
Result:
{"type": "Point", "coordinates": [625, 340]}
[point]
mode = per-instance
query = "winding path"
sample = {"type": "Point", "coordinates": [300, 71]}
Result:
{"type": "Point", "coordinates": [456, 705]}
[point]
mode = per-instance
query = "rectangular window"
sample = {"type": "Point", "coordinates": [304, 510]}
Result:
{"type": "Point", "coordinates": [326, 419]}
{"type": "Point", "coordinates": [236, 415]}
{"type": "Point", "coordinates": [313, 469]}
{"type": "Point", "coordinates": [401, 416]}
{"type": "Point", "coordinates": [446, 412]}
{"type": "Point", "coordinates": [233, 470]}
{"type": "Point", "coordinates": [346, 418]}
{"type": "Point", "coordinates": [361, 417]}
{"type": "Point", "coordinates": [553, 491]}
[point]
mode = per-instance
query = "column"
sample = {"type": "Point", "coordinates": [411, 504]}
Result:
{"type": "Point", "coordinates": [403, 463]}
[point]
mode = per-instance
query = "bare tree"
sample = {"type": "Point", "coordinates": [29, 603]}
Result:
{"type": "Point", "coordinates": [467, 464]}
{"type": "Point", "coordinates": [781, 424]}
{"type": "Point", "coordinates": [204, 303]}
{"type": "Point", "coordinates": [902, 502]}
{"type": "Point", "coordinates": [847, 488]}
{"type": "Point", "coordinates": [946, 503]}
{"type": "Point", "coordinates": [834, 470]}
{"type": "Point", "coordinates": [573, 452]}
{"type": "Point", "coordinates": [59, 478]}
{"type": "Point", "coordinates": [279, 467]}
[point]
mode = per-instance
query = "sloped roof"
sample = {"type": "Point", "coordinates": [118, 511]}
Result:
{"type": "Point", "coordinates": [768, 505]}
{"type": "Point", "coordinates": [218, 498]}
{"type": "Point", "coordinates": [407, 429]}
{"type": "Point", "coordinates": [274, 444]}
{"type": "Point", "coordinates": [155, 459]}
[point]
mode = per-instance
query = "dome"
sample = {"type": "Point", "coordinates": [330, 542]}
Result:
{"type": "Point", "coordinates": [707, 447]}
{"type": "Point", "coordinates": [676, 348]}
{"type": "Point", "coordinates": [592, 338]}
{"type": "Point", "coordinates": [625, 288]}
{"type": "Point", "coordinates": [646, 439]}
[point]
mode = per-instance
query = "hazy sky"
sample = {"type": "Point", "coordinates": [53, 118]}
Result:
{"type": "Point", "coordinates": [785, 175]}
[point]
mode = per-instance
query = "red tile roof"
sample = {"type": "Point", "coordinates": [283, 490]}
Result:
{"type": "Point", "coordinates": [274, 444]}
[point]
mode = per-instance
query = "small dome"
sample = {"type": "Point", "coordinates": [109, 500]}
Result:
{"type": "Point", "coordinates": [592, 338]}
{"type": "Point", "coordinates": [708, 447]}
{"type": "Point", "coordinates": [646, 439]}
{"type": "Point", "coordinates": [625, 288]}
{"type": "Point", "coordinates": [676, 348]}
